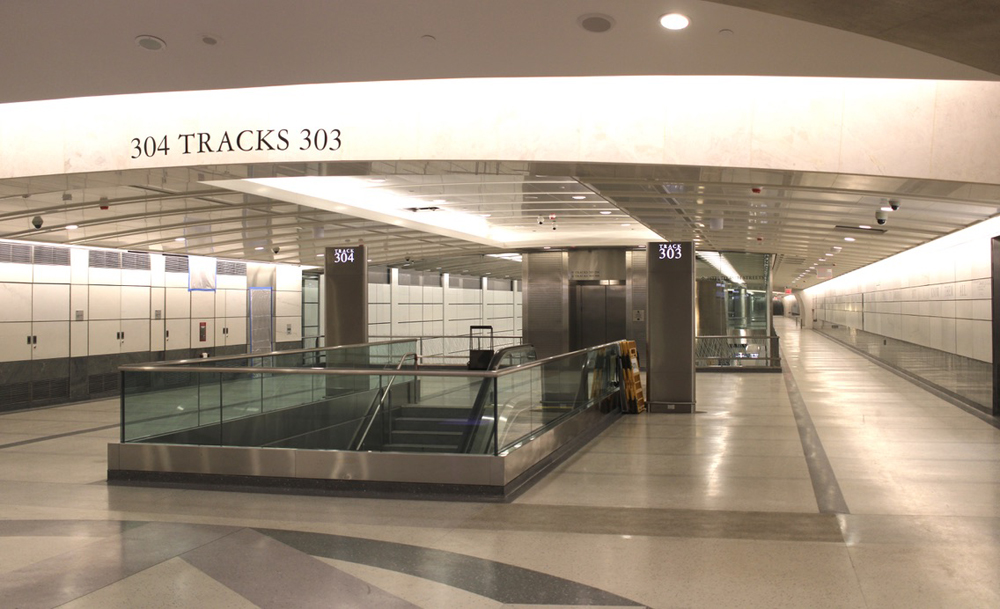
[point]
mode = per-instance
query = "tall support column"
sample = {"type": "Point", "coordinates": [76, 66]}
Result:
{"type": "Point", "coordinates": [995, 304]}
{"type": "Point", "coordinates": [670, 378]}
{"type": "Point", "coordinates": [346, 308]}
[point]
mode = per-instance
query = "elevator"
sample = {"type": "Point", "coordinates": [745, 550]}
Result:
{"type": "Point", "coordinates": [597, 313]}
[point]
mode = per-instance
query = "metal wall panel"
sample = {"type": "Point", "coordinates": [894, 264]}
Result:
{"type": "Point", "coordinates": [545, 306]}
{"type": "Point", "coordinates": [670, 378]}
{"type": "Point", "coordinates": [635, 298]}
{"type": "Point", "coordinates": [261, 340]}
{"type": "Point", "coordinates": [346, 307]}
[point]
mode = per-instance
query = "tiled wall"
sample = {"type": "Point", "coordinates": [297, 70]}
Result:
{"type": "Point", "coordinates": [938, 298]}
{"type": "Point", "coordinates": [70, 316]}
{"type": "Point", "coordinates": [420, 304]}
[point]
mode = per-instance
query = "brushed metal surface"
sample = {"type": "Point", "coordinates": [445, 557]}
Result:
{"type": "Point", "coordinates": [396, 467]}
{"type": "Point", "coordinates": [545, 307]}
{"type": "Point", "coordinates": [533, 450]}
{"type": "Point", "coordinates": [670, 378]}
{"type": "Point", "coordinates": [227, 460]}
{"type": "Point", "coordinates": [113, 455]}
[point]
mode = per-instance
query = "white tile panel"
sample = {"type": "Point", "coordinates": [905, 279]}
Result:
{"type": "Point", "coordinates": [135, 302]}
{"type": "Point", "coordinates": [16, 302]}
{"type": "Point", "coordinates": [202, 304]}
{"type": "Point", "coordinates": [231, 282]}
{"type": "Point", "coordinates": [44, 273]}
{"type": "Point", "coordinates": [50, 302]}
{"type": "Point", "coordinates": [178, 303]}
{"type": "Point", "coordinates": [287, 329]}
{"type": "Point", "coordinates": [98, 276]}
{"type": "Point", "coordinates": [236, 303]}
{"type": "Point", "coordinates": [157, 270]}
{"type": "Point", "coordinates": [237, 333]}
{"type": "Point", "coordinates": [156, 342]}
{"type": "Point", "coordinates": [14, 338]}
{"type": "Point", "coordinates": [287, 304]}
{"type": "Point", "coordinates": [105, 303]}
{"type": "Point", "coordinates": [102, 336]}
{"type": "Point", "coordinates": [177, 334]}
{"type": "Point", "coordinates": [136, 333]}
{"type": "Point", "coordinates": [157, 302]}
{"type": "Point", "coordinates": [136, 277]}
{"type": "Point", "coordinates": [288, 278]}
{"type": "Point", "coordinates": [982, 341]}
{"type": "Point", "coordinates": [79, 264]}
{"type": "Point", "coordinates": [964, 339]}
{"type": "Point", "coordinates": [176, 280]}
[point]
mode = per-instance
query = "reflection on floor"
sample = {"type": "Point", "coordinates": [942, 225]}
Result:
{"type": "Point", "coordinates": [834, 484]}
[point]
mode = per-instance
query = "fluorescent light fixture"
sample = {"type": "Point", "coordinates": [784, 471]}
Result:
{"type": "Point", "coordinates": [605, 213]}
{"type": "Point", "coordinates": [259, 247]}
{"type": "Point", "coordinates": [72, 227]}
{"type": "Point", "coordinates": [848, 238]}
{"type": "Point", "coordinates": [674, 21]}
{"type": "Point", "coordinates": [626, 224]}
{"type": "Point", "coordinates": [579, 197]}
{"type": "Point", "coordinates": [376, 180]}
{"type": "Point", "coordinates": [721, 264]}
{"type": "Point", "coordinates": [865, 226]}
{"type": "Point", "coordinates": [512, 256]}
{"type": "Point", "coordinates": [886, 208]}
{"type": "Point", "coordinates": [180, 239]}
{"type": "Point", "coordinates": [485, 215]}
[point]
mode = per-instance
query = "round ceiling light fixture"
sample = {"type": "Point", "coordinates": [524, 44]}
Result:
{"type": "Point", "coordinates": [150, 43]}
{"type": "Point", "coordinates": [674, 21]}
{"type": "Point", "coordinates": [210, 40]}
{"type": "Point", "coordinates": [596, 23]}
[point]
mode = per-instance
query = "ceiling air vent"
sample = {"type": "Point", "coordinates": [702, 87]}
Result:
{"type": "Point", "coordinates": [858, 229]}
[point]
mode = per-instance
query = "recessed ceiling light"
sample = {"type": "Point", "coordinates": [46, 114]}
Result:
{"type": "Point", "coordinates": [596, 23]}
{"type": "Point", "coordinates": [626, 224]}
{"type": "Point", "coordinates": [579, 197]}
{"type": "Point", "coordinates": [210, 40]}
{"type": "Point", "coordinates": [259, 247]}
{"type": "Point", "coordinates": [822, 259]}
{"type": "Point", "coordinates": [438, 201]}
{"type": "Point", "coordinates": [848, 238]}
{"type": "Point", "coordinates": [484, 215]}
{"type": "Point", "coordinates": [547, 247]}
{"type": "Point", "coordinates": [376, 180]}
{"type": "Point", "coordinates": [320, 255]}
{"type": "Point", "coordinates": [864, 226]}
{"type": "Point", "coordinates": [179, 239]}
{"type": "Point", "coordinates": [605, 213]}
{"type": "Point", "coordinates": [150, 43]}
{"type": "Point", "coordinates": [72, 227]}
{"type": "Point", "coordinates": [886, 208]}
{"type": "Point", "coordinates": [674, 21]}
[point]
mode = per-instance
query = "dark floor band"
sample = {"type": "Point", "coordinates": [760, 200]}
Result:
{"type": "Point", "coordinates": [829, 498]}
{"type": "Point", "coordinates": [58, 435]}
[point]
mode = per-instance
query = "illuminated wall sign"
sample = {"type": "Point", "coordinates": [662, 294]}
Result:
{"type": "Point", "coordinates": [246, 140]}
{"type": "Point", "coordinates": [670, 251]}
{"type": "Point", "coordinates": [343, 255]}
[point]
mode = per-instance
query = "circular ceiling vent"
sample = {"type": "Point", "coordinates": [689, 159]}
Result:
{"type": "Point", "coordinates": [150, 43]}
{"type": "Point", "coordinates": [596, 23]}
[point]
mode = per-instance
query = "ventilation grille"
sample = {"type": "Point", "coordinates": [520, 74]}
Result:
{"type": "Point", "coordinates": [51, 389]}
{"type": "Point", "coordinates": [105, 260]}
{"type": "Point", "coordinates": [228, 267]}
{"type": "Point", "coordinates": [55, 256]}
{"type": "Point", "coordinates": [176, 264]}
{"type": "Point", "coordinates": [15, 252]}
{"type": "Point", "coordinates": [135, 261]}
{"type": "Point", "coordinates": [14, 393]}
{"type": "Point", "coordinates": [102, 383]}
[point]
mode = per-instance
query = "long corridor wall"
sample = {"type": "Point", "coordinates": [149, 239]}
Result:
{"type": "Point", "coordinates": [935, 296]}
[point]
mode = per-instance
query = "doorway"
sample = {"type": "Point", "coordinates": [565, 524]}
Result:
{"type": "Point", "coordinates": [597, 314]}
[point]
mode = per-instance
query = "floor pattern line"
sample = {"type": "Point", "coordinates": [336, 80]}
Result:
{"type": "Point", "coordinates": [57, 436]}
{"type": "Point", "coordinates": [829, 497]}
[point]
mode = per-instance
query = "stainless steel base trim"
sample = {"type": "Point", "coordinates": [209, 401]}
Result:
{"type": "Point", "coordinates": [403, 468]}
{"type": "Point", "coordinates": [670, 407]}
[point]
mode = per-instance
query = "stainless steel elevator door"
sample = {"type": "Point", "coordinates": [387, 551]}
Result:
{"type": "Point", "coordinates": [598, 315]}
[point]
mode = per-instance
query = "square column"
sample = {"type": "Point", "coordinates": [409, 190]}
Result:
{"type": "Point", "coordinates": [670, 377]}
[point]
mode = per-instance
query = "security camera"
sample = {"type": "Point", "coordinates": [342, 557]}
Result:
{"type": "Point", "coordinates": [275, 249]}
{"type": "Point", "coordinates": [36, 222]}
{"type": "Point", "coordinates": [541, 220]}
{"type": "Point", "coordinates": [894, 204]}
{"type": "Point", "coordinates": [881, 216]}
{"type": "Point", "coordinates": [407, 258]}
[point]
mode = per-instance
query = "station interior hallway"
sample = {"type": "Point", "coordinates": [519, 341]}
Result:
{"type": "Point", "coordinates": [834, 484]}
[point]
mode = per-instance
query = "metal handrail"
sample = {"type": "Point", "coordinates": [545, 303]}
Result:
{"type": "Point", "coordinates": [364, 371]}
{"type": "Point", "coordinates": [378, 405]}
{"type": "Point", "coordinates": [223, 358]}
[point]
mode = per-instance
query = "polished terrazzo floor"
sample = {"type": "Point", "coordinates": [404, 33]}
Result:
{"type": "Point", "coordinates": [835, 484]}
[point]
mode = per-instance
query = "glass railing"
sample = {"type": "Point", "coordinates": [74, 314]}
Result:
{"type": "Point", "coordinates": [736, 351]}
{"type": "Point", "coordinates": [367, 397]}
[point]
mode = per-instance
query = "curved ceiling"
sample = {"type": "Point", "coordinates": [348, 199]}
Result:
{"type": "Point", "coordinates": [960, 30]}
{"type": "Point", "coordinates": [56, 49]}
{"type": "Point", "coordinates": [53, 49]}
